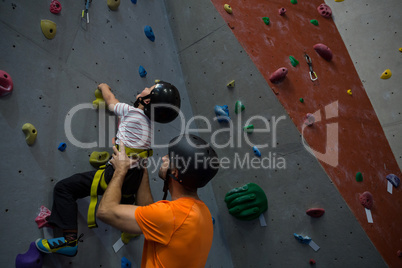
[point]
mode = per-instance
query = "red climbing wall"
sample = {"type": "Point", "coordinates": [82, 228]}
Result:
{"type": "Point", "coordinates": [355, 137]}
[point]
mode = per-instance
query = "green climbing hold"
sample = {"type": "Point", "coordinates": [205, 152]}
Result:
{"type": "Point", "coordinates": [266, 20]}
{"type": "Point", "coordinates": [359, 176]}
{"type": "Point", "coordinates": [293, 61]}
{"type": "Point", "coordinates": [97, 159]}
{"type": "Point", "coordinates": [239, 107]}
{"type": "Point", "coordinates": [249, 128]}
{"type": "Point", "coordinates": [315, 22]}
{"type": "Point", "coordinates": [301, 100]}
{"type": "Point", "coordinates": [293, 2]}
{"type": "Point", "coordinates": [247, 202]}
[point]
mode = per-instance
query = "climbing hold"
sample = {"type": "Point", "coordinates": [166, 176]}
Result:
{"type": "Point", "coordinates": [315, 22]}
{"type": "Point", "coordinates": [359, 177]}
{"type": "Point", "coordinates": [293, 61]}
{"type": "Point", "coordinates": [338, 0]}
{"type": "Point", "coordinates": [213, 220]}
{"type": "Point", "coordinates": [142, 71]}
{"type": "Point", "coordinates": [62, 146]}
{"type": "Point", "coordinates": [249, 128]}
{"type": "Point", "coordinates": [228, 8]}
{"type": "Point", "coordinates": [99, 102]}
{"type": "Point", "coordinates": [113, 4]}
{"type": "Point", "coordinates": [6, 83]}
{"type": "Point", "coordinates": [399, 253]}
{"type": "Point", "coordinates": [157, 81]}
{"type": "Point", "coordinates": [256, 151]}
{"type": "Point", "coordinates": [97, 159]}
{"type": "Point", "coordinates": [134, 1]}
{"type": "Point", "coordinates": [126, 237]}
{"type": "Point", "coordinates": [309, 119]}
{"type": "Point", "coordinates": [386, 74]}
{"type": "Point", "coordinates": [125, 263]}
{"type": "Point", "coordinates": [400, 49]}
{"type": "Point", "coordinates": [231, 84]}
{"type": "Point", "coordinates": [323, 51]}
{"type": "Point", "coordinates": [324, 10]}
{"type": "Point", "coordinates": [149, 33]}
{"type": "Point", "coordinates": [278, 75]}
{"type": "Point", "coordinates": [42, 217]}
{"type": "Point", "coordinates": [293, 2]}
{"type": "Point", "coordinates": [266, 20]}
{"type": "Point", "coordinates": [31, 259]}
{"type": "Point", "coordinates": [312, 261]}
{"type": "Point", "coordinates": [247, 202]}
{"type": "Point", "coordinates": [55, 7]}
{"type": "Point", "coordinates": [30, 133]}
{"type": "Point", "coordinates": [49, 28]}
{"type": "Point", "coordinates": [239, 107]}
{"type": "Point", "coordinates": [349, 92]}
{"type": "Point", "coordinates": [222, 113]}
{"type": "Point", "coordinates": [301, 100]}
{"type": "Point", "coordinates": [282, 11]}
{"type": "Point", "coordinates": [301, 239]}
{"type": "Point", "coordinates": [366, 199]}
{"type": "Point", "coordinates": [315, 212]}
{"type": "Point", "coordinates": [393, 179]}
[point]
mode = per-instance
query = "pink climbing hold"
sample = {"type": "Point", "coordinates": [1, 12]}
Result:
{"type": "Point", "coordinates": [366, 199]}
{"type": "Point", "coordinates": [41, 219]}
{"type": "Point", "coordinates": [6, 83]}
{"type": "Point", "coordinates": [309, 119]}
{"type": "Point", "coordinates": [282, 11]}
{"type": "Point", "coordinates": [315, 212]}
{"type": "Point", "coordinates": [278, 75]}
{"type": "Point", "coordinates": [55, 7]}
{"type": "Point", "coordinates": [31, 259]}
{"type": "Point", "coordinates": [323, 51]}
{"type": "Point", "coordinates": [324, 10]}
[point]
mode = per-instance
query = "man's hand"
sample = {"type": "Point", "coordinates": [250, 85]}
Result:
{"type": "Point", "coordinates": [103, 86]}
{"type": "Point", "coordinates": [108, 96]}
{"type": "Point", "coordinates": [120, 161]}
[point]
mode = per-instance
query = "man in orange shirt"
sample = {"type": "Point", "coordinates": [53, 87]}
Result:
{"type": "Point", "coordinates": [177, 233]}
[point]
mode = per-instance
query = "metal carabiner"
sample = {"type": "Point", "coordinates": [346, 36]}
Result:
{"type": "Point", "coordinates": [313, 75]}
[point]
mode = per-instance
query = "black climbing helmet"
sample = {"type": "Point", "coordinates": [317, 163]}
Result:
{"type": "Point", "coordinates": [195, 160]}
{"type": "Point", "coordinates": [163, 97]}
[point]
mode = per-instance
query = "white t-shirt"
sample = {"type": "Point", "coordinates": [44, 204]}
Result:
{"type": "Point", "coordinates": [134, 128]}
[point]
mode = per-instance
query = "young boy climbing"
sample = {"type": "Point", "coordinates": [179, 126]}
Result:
{"type": "Point", "coordinates": [160, 103]}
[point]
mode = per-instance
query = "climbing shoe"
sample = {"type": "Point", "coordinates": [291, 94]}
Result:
{"type": "Point", "coordinates": [58, 245]}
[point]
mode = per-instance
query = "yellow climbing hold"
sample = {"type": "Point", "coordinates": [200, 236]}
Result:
{"type": "Point", "coordinates": [99, 102]}
{"type": "Point", "coordinates": [97, 159]}
{"type": "Point", "coordinates": [349, 91]}
{"type": "Point", "coordinates": [113, 4]}
{"type": "Point", "coordinates": [48, 28]}
{"type": "Point", "coordinates": [126, 237]}
{"type": "Point", "coordinates": [157, 81]}
{"type": "Point", "coordinates": [228, 8]}
{"type": "Point", "coordinates": [231, 84]}
{"type": "Point", "coordinates": [400, 49]}
{"type": "Point", "coordinates": [386, 74]}
{"type": "Point", "coordinates": [338, 0]}
{"type": "Point", "coordinates": [30, 133]}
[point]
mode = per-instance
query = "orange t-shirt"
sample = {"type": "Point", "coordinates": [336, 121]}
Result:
{"type": "Point", "coordinates": [177, 233]}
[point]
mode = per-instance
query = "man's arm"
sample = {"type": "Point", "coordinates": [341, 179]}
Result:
{"type": "Point", "coordinates": [108, 96]}
{"type": "Point", "coordinates": [110, 210]}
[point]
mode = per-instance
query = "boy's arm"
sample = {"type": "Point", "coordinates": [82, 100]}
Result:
{"type": "Point", "coordinates": [108, 96]}
{"type": "Point", "coordinates": [144, 195]}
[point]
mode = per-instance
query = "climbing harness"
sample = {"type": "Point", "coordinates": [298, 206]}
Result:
{"type": "Point", "coordinates": [99, 178]}
{"type": "Point", "coordinates": [313, 75]}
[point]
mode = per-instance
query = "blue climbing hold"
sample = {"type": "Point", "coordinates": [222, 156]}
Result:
{"type": "Point", "coordinates": [213, 220]}
{"type": "Point", "coordinates": [301, 239]}
{"type": "Point", "coordinates": [393, 179]}
{"type": "Point", "coordinates": [142, 71]}
{"type": "Point", "coordinates": [62, 146]}
{"type": "Point", "coordinates": [32, 258]}
{"type": "Point", "coordinates": [222, 113]}
{"type": "Point", "coordinates": [256, 151]}
{"type": "Point", "coordinates": [125, 263]}
{"type": "Point", "coordinates": [134, 1]}
{"type": "Point", "coordinates": [149, 33]}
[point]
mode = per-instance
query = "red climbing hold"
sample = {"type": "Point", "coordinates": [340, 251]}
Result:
{"type": "Point", "coordinates": [324, 10]}
{"type": "Point", "coordinates": [6, 83]}
{"type": "Point", "coordinates": [315, 212]}
{"type": "Point", "coordinates": [312, 261]}
{"type": "Point", "coordinates": [366, 199]}
{"type": "Point", "coordinates": [278, 75]}
{"type": "Point", "coordinates": [55, 7]}
{"type": "Point", "coordinates": [323, 51]}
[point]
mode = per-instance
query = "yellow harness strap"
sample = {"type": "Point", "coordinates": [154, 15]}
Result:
{"type": "Point", "coordinates": [100, 178]}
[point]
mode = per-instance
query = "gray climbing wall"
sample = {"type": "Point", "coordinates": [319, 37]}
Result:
{"type": "Point", "coordinates": [195, 50]}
